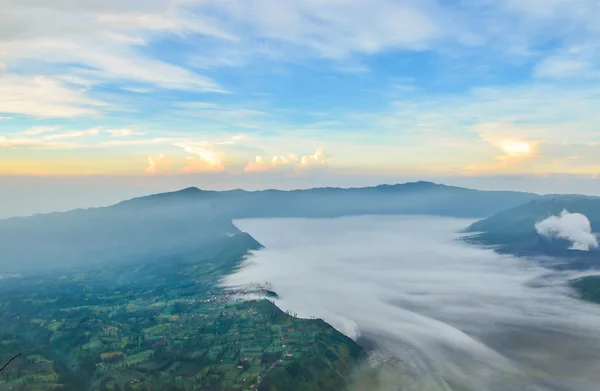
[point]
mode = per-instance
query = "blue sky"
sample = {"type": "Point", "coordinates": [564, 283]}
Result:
{"type": "Point", "coordinates": [262, 91]}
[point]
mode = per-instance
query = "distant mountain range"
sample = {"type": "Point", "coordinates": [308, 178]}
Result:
{"type": "Point", "coordinates": [408, 198]}
{"type": "Point", "coordinates": [178, 221]}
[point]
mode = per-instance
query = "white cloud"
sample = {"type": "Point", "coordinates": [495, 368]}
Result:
{"type": "Point", "coordinates": [146, 141]}
{"type": "Point", "coordinates": [37, 130]}
{"type": "Point", "coordinates": [198, 164]}
{"type": "Point", "coordinates": [263, 163]}
{"type": "Point", "coordinates": [287, 162]}
{"type": "Point", "coordinates": [318, 159]}
{"type": "Point", "coordinates": [573, 60]}
{"type": "Point", "coordinates": [508, 138]}
{"type": "Point", "coordinates": [34, 144]}
{"type": "Point", "coordinates": [205, 152]}
{"type": "Point", "coordinates": [137, 90]}
{"type": "Point", "coordinates": [44, 97]}
{"type": "Point", "coordinates": [233, 140]}
{"type": "Point", "coordinates": [336, 29]}
{"type": "Point", "coordinates": [104, 40]}
{"type": "Point", "coordinates": [107, 38]}
{"type": "Point", "coordinates": [561, 67]}
{"type": "Point", "coordinates": [543, 10]}
{"type": "Point", "coordinates": [78, 80]}
{"type": "Point", "coordinates": [159, 164]}
{"type": "Point", "coordinates": [574, 227]}
{"type": "Point", "coordinates": [73, 134]}
{"type": "Point", "coordinates": [47, 137]}
{"type": "Point", "coordinates": [120, 132]}
{"type": "Point", "coordinates": [101, 43]}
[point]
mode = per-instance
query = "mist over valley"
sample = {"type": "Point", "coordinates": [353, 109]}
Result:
{"type": "Point", "coordinates": [411, 287]}
{"type": "Point", "coordinates": [449, 315]}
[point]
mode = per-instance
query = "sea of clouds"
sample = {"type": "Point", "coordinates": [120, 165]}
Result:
{"type": "Point", "coordinates": [441, 314]}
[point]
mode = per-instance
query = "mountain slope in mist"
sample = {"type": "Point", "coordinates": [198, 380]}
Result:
{"type": "Point", "coordinates": [588, 288]}
{"type": "Point", "coordinates": [562, 226]}
{"type": "Point", "coordinates": [408, 198]}
{"type": "Point", "coordinates": [88, 237]}
{"type": "Point", "coordinates": [177, 221]}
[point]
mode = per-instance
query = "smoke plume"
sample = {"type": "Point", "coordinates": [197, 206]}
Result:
{"type": "Point", "coordinates": [574, 227]}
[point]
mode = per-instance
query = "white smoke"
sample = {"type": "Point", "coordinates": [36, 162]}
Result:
{"type": "Point", "coordinates": [574, 227]}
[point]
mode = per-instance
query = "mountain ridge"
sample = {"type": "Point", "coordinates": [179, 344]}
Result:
{"type": "Point", "coordinates": [188, 217]}
{"type": "Point", "coordinates": [239, 203]}
{"type": "Point", "coordinates": [513, 230]}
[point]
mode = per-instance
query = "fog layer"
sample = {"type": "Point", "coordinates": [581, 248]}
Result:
{"type": "Point", "coordinates": [446, 315]}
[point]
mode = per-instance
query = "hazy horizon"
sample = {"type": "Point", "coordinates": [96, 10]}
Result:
{"type": "Point", "coordinates": [27, 195]}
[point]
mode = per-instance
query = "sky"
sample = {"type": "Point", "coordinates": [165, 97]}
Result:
{"type": "Point", "coordinates": [269, 93]}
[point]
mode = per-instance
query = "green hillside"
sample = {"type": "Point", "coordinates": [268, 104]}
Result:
{"type": "Point", "coordinates": [161, 324]}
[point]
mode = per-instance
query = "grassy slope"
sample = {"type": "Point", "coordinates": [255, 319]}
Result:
{"type": "Point", "coordinates": [328, 367]}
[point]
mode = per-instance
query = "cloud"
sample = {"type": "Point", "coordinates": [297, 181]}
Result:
{"type": "Point", "coordinates": [44, 97]}
{"type": "Point", "coordinates": [121, 132]}
{"type": "Point", "coordinates": [206, 158]}
{"type": "Point", "coordinates": [37, 137]}
{"type": "Point", "coordinates": [73, 134]}
{"type": "Point", "coordinates": [137, 90]}
{"type": "Point", "coordinates": [34, 144]}
{"type": "Point", "coordinates": [574, 227]}
{"type": "Point", "coordinates": [446, 315]}
{"type": "Point", "coordinates": [106, 42]}
{"type": "Point", "coordinates": [287, 162]}
{"type": "Point", "coordinates": [142, 141]}
{"type": "Point", "coordinates": [5, 118]}
{"type": "Point", "coordinates": [263, 163]}
{"type": "Point", "coordinates": [505, 129]}
{"type": "Point", "coordinates": [562, 67]}
{"type": "Point", "coordinates": [159, 165]}
{"type": "Point", "coordinates": [103, 41]}
{"type": "Point", "coordinates": [339, 29]}
{"type": "Point", "coordinates": [198, 164]}
{"type": "Point", "coordinates": [508, 138]}
{"type": "Point", "coordinates": [206, 153]}
{"type": "Point", "coordinates": [318, 159]}
{"type": "Point", "coordinates": [37, 130]}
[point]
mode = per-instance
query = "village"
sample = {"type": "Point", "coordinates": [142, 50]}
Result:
{"type": "Point", "coordinates": [215, 339]}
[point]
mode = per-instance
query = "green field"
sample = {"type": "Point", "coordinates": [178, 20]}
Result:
{"type": "Point", "coordinates": [163, 324]}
